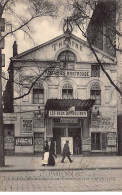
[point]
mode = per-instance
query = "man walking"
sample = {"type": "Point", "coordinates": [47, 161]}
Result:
{"type": "Point", "coordinates": [66, 152]}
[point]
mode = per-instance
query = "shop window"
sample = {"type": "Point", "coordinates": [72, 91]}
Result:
{"type": "Point", "coordinates": [38, 96]}
{"type": "Point", "coordinates": [98, 141]}
{"type": "Point", "coordinates": [67, 59]}
{"type": "Point", "coordinates": [67, 91]}
{"type": "Point", "coordinates": [95, 93]}
{"type": "Point", "coordinates": [95, 71]}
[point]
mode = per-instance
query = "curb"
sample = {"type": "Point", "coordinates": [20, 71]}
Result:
{"type": "Point", "coordinates": [61, 169]}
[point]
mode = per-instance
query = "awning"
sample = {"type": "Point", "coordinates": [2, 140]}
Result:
{"type": "Point", "coordinates": [65, 104]}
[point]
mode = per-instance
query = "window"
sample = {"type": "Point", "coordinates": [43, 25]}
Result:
{"type": "Point", "coordinates": [98, 141]}
{"type": "Point", "coordinates": [67, 59]}
{"type": "Point", "coordinates": [38, 96]}
{"type": "Point", "coordinates": [95, 93]}
{"type": "Point", "coordinates": [95, 71]}
{"type": "Point", "coordinates": [67, 91]}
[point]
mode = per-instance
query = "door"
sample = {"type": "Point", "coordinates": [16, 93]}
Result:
{"type": "Point", "coordinates": [57, 134]}
{"type": "Point", "coordinates": [76, 134]}
{"type": "Point", "coordinates": [38, 143]}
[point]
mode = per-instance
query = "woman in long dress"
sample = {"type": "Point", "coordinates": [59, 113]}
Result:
{"type": "Point", "coordinates": [46, 154]}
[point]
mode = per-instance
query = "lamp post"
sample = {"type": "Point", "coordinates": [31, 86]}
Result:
{"type": "Point", "coordinates": [42, 115]}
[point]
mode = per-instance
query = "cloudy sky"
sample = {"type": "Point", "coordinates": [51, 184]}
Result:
{"type": "Point", "coordinates": [43, 29]}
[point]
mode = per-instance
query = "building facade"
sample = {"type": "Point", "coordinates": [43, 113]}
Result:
{"type": "Point", "coordinates": [69, 98]}
{"type": "Point", "coordinates": [104, 31]}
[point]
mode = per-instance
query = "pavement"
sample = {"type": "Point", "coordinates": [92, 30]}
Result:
{"type": "Point", "coordinates": [32, 163]}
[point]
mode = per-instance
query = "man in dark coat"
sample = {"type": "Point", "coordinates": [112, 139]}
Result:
{"type": "Point", "coordinates": [66, 152]}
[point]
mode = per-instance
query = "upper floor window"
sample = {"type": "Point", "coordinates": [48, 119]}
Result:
{"type": "Point", "coordinates": [95, 71]}
{"type": "Point", "coordinates": [38, 96]}
{"type": "Point", "coordinates": [67, 59]}
{"type": "Point", "coordinates": [67, 91]}
{"type": "Point", "coordinates": [95, 93]}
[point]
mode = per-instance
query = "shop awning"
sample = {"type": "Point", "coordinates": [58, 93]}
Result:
{"type": "Point", "coordinates": [65, 104]}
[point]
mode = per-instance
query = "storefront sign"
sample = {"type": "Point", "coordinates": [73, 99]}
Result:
{"type": "Point", "coordinates": [23, 141]}
{"type": "Point", "coordinates": [9, 117]}
{"type": "Point", "coordinates": [27, 126]}
{"type": "Point", "coordinates": [68, 73]}
{"type": "Point", "coordinates": [111, 139]}
{"type": "Point", "coordinates": [69, 120]}
{"type": "Point", "coordinates": [56, 113]}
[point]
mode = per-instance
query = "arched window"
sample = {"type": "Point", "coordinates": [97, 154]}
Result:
{"type": "Point", "coordinates": [95, 93]}
{"type": "Point", "coordinates": [67, 91]}
{"type": "Point", "coordinates": [67, 59]}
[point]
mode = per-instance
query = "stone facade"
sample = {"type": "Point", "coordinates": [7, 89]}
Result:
{"type": "Point", "coordinates": [69, 76]}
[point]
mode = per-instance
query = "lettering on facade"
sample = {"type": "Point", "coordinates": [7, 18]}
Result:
{"type": "Point", "coordinates": [23, 141]}
{"type": "Point", "coordinates": [27, 126]}
{"type": "Point", "coordinates": [69, 120]}
{"type": "Point", "coordinates": [111, 138]}
{"type": "Point", "coordinates": [72, 44]}
{"type": "Point", "coordinates": [68, 73]}
{"type": "Point", "coordinates": [56, 113]}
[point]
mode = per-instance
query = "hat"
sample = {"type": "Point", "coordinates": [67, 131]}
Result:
{"type": "Point", "coordinates": [67, 141]}
{"type": "Point", "coordinates": [46, 141]}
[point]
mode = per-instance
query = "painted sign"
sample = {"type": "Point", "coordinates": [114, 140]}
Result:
{"type": "Point", "coordinates": [23, 141]}
{"type": "Point", "coordinates": [27, 126]}
{"type": "Point", "coordinates": [68, 73]}
{"type": "Point", "coordinates": [69, 120]}
{"type": "Point", "coordinates": [38, 122]}
{"type": "Point", "coordinates": [56, 113]}
{"type": "Point", "coordinates": [111, 139]}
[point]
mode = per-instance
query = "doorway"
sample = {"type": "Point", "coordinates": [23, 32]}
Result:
{"type": "Point", "coordinates": [74, 133]}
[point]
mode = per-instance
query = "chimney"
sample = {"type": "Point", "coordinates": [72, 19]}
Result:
{"type": "Point", "coordinates": [15, 52]}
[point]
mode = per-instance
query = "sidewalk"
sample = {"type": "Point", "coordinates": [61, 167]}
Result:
{"type": "Point", "coordinates": [27, 163]}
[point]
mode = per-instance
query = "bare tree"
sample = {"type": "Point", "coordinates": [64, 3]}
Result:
{"type": "Point", "coordinates": [19, 20]}
{"type": "Point", "coordinates": [105, 25]}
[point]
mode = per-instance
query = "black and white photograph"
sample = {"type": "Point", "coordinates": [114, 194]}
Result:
{"type": "Point", "coordinates": [60, 95]}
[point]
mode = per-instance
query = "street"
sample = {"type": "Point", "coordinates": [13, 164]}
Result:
{"type": "Point", "coordinates": [62, 180]}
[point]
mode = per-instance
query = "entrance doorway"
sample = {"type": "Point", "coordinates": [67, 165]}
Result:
{"type": "Point", "coordinates": [74, 133]}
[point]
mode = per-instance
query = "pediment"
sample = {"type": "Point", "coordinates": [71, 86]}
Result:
{"type": "Point", "coordinates": [50, 50]}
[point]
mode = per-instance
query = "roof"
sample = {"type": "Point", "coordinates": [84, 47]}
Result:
{"type": "Point", "coordinates": [65, 104]}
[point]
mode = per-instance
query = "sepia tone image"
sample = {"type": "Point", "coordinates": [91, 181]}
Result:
{"type": "Point", "coordinates": [60, 95]}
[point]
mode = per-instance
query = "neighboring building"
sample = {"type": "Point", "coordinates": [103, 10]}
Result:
{"type": "Point", "coordinates": [72, 100]}
{"type": "Point", "coordinates": [106, 19]}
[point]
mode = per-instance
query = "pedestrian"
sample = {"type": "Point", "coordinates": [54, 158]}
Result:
{"type": "Point", "coordinates": [66, 152]}
{"type": "Point", "coordinates": [46, 154]}
{"type": "Point", "coordinates": [52, 147]}
{"type": "Point", "coordinates": [51, 160]}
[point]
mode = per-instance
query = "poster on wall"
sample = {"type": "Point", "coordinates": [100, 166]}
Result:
{"type": "Point", "coordinates": [23, 141]}
{"type": "Point", "coordinates": [27, 126]}
{"type": "Point", "coordinates": [111, 139]}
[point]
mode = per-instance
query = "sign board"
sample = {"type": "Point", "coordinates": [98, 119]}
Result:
{"type": "Point", "coordinates": [23, 141]}
{"type": "Point", "coordinates": [27, 126]}
{"type": "Point", "coordinates": [68, 73]}
{"type": "Point", "coordinates": [63, 141]}
{"type": "Point", "coordinates": [39, 122]}
{"type": "Point", "coordinates": [9, 117]}
{"type": "Point", "coordinates": [76, 114]}
{"type": "Point", "coordinates": [111, 139]}
{"type": "Point", "coordinates": [69, 120]}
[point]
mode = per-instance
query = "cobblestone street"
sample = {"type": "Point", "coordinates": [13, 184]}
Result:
{"type": "Point", "coordinates": [62, 180]}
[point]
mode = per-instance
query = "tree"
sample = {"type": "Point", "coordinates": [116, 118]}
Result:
{"type": "Point", "coordinates": [19, 21]}
{"type": "Point", "coordinates": [101, 17]}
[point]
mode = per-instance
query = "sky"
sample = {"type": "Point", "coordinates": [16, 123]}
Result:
{"type": "Point", "coordinates": [43, 29]}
